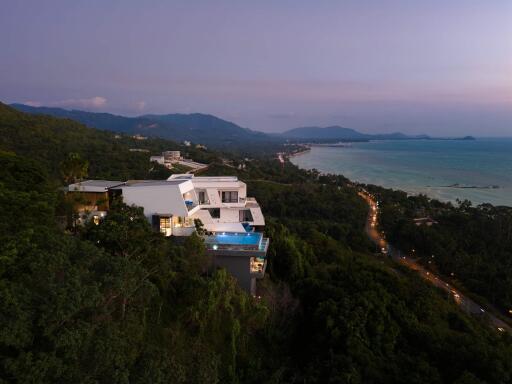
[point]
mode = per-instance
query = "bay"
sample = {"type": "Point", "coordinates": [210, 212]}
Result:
{"type": "Point", "coordinates": [478, 170]}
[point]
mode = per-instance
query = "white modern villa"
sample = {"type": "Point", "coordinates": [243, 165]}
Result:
{"type": "Point", "coordinates": [232, 222]}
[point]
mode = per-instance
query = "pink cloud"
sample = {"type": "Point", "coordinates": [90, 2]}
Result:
{"type": "Point", "coordinates": [90, 103]}
{"type": "Point", "coordinates": [96, 102]}
{"type": "Point", "coordinates": [140, 105]}
{"type": "Point", "coordinates": [33, 103]}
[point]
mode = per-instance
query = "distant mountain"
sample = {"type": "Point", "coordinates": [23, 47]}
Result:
{"type": "Point", "coordinates": [195, 127]}
{"type": "Point", "coordinates": [333, 132]}
{"type": "Point", "coordinates": [336, 132]}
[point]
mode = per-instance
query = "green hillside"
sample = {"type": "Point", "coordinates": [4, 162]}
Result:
{"type": "Point", "coordinates": [49, 140]}
{"type": "Point", "coordinates": [196, 127]}
{"type": "Point", "coordinates": [118, 303]}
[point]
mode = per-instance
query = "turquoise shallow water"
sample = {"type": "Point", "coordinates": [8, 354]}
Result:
{"type": "Point", "coordinates": [432, 167]}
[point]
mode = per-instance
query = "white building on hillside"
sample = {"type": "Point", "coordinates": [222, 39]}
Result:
{"type": "Point", "coordinates": [232, 222]}
{"type": "Point", "coordinates": [222, 203]}
{"type": "Point", "coordinates": [171, 156]}
{"type": "Point", "coordinates": [157, 159]}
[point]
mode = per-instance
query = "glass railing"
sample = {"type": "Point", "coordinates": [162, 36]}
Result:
{"type": "Point", "coordinates": [264, 244]}
{"type": "Point", "coordinates": [220, 243]}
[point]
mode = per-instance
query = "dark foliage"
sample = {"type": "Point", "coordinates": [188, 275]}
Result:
{"type": "Point", "coordinates": [118, 303]}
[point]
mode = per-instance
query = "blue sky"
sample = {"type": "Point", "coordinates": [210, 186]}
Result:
{"type": "Point", "coordinates": [437, 67]}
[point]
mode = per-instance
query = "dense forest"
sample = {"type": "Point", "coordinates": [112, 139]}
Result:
{"type": "Point", "coordinates": [471, 245]}
{"type": "Point", "coordinates": [49, 140]}
{"type": "Point", "coordinates": [118, 303]}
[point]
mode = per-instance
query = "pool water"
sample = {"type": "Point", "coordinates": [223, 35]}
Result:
{"type": "Point", "coordinates": [252, 238]}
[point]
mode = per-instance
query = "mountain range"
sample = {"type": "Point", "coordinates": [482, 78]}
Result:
{"type": "Point", "coordinates": [336, 132]}
{"type": "Point", "coordinates": [206, 129]}
{"type": "Point", "coordinates": [195, 127]}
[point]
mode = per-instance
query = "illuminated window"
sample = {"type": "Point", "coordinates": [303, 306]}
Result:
{"type": "Point", "coordinates": [177, 222]}
{"type": "Point", "coordinates": [165, 225]}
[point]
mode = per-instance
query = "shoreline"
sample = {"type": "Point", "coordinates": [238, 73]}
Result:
{"type": "Point", "coordinates": [299, 153]}
{"type": "Point", "coordinates": [432, 192]}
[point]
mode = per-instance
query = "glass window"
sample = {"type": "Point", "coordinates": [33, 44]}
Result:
{"type": "Point", "coordinates": [201, 197]}
{"type": "Point", "coordinates": [165, 225]}
{"type": "Point", "coordinates": [230, 196]}
{"type": "Point", "coordinates": [215, 213]}
{"type": "Point", "coordinates": [245, 215]}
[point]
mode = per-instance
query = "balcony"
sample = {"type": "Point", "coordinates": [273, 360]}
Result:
{"type": "Point", "coordinates": [251, 202]}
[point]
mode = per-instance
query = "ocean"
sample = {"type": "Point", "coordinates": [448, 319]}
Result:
{"type": "Point", "coordinates": [478, 170]}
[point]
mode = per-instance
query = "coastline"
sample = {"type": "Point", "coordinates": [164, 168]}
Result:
{"type": "Point", "coordinates": [443, 171]}
{"type": "Point", "coordinates": [300, 152]}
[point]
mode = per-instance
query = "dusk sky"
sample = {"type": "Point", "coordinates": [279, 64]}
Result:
{"type": "Point", "coordinates": [435, 67]}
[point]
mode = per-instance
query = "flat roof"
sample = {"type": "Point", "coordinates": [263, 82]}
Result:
{"type": "Point", "coordinates": [153, 183]}
{"type": "Point", "coordinates": [94, 185]}
{"type": "Point", "coordinates": [187, 176]}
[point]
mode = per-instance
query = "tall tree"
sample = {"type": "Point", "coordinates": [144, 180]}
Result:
{"type": "Point", "coordinates": [74, 168]}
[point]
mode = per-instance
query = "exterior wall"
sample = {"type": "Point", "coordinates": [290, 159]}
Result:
{"type": "Point", "coordinates": [183, 231]}
{"type": "Point", "coordinates": [171, 155]}
{"type": "Point", "coordinates": [237, 266]}
{"type": "Point", "coordinates": [156, 200]}
{"type": "Point", "coordinates": [257, 216]}
{"type": "Point", "coordinates": [229, 215]}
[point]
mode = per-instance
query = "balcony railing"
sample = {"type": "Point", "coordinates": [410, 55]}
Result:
{"type": "Point", "coordinates": [251, 202]}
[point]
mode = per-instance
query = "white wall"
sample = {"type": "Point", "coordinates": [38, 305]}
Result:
{"type": "Point", "coordinates": [164, 199]}
{"type": "Point", "coordinates": [228, 215]}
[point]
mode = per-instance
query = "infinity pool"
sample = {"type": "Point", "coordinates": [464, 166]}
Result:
{"type": "Point", "coordinates": [252, 238]}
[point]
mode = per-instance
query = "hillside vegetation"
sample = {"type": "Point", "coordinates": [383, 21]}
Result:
{"type": "Point", "coordinates": [118, 303]}
{"type": "Point", "coordinates": [49, 140]}
{"type": "Point", "coordinates": [196, 127]}
{"type": "Point", "coordinates": [471, 245]}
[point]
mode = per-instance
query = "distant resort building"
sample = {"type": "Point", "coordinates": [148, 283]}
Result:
{"type": "Point", "coordinates": [230, 223]}
{"type": "Point", "coordinates": [169, 158]}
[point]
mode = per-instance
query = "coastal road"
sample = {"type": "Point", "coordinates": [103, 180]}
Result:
{"type": "Point", "coordinates": [466, 304]}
